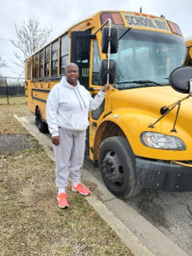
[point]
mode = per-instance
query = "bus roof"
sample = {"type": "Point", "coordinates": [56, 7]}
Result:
{"type": "Point", "coordinates": [122, 18]}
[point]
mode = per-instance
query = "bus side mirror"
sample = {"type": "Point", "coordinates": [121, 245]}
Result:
{"type": "Point", "coordinates": [181, 79]}
{"type": "Point", "coordinates": [107, 72]}
{"type": "Point", "coordinates": [113, 39]}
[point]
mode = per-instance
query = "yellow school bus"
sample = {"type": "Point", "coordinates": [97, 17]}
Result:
{"type": "Point", "coordinates": [141, 136]}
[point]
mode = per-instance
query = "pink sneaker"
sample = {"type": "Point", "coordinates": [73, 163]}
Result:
{"type": "Point", "coordinates": [81, 189]}
{"type": "Point", "coordinates": [62, 201]}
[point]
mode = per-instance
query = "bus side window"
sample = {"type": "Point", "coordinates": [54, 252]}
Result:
{"type": "Point", "coordinates": [64, 53]}
{"type": "Point", "coordinates": [41, 73]}
{"type": "Point", "coordinates": [54, 58]}
{"type": "Point", "coordinates": [29, 70]}
{"type": "Point", "coordinates": [37, 65]}
{"type": "Point", "coordinates": [47, 60]}
{"type": "Point", "coordinates": [96, 65]}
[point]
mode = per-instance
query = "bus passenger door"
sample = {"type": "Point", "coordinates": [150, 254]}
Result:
{"type": "Point", "coordinates": [80, 54]}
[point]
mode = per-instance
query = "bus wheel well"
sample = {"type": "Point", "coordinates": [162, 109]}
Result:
{"type": "Point", "coordinates": [106, 130]}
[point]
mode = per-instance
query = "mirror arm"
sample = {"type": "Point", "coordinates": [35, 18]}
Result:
{"type": "Point", "coordinates": [167, 112]}
{"type": "Point", "coordinates": [109, 51]}
{"type": "Point", "coordinates": [178, 108]}
{"type": "Point", "coordinates": [107, 21]}
{"type": "Point", "coordinates": [178, 104]}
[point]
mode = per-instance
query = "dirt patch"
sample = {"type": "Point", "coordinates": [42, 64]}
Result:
{"type": "Point", "coordinates": [15, 142]}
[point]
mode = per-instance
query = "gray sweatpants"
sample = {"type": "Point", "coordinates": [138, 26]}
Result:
{"type": "Point", "coordinates": [69, 156]}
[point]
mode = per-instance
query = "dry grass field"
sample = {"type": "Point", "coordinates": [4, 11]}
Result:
{"type": "Point", "coordinates": [30, 221]}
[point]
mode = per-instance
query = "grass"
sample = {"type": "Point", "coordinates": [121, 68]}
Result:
{"type": "Point", "coordinates": [8, 124]}
{"type": "Point", "coordinates": [31, 222]}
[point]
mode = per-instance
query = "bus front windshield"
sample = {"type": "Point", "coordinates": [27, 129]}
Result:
{"type": "Point", "coordinates": [146, 58]}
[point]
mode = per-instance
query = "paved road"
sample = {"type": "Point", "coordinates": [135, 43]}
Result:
{"type": "Point", "coordinates": [171, 213]}
{"type": "Point", "coordinates": [159, 223]}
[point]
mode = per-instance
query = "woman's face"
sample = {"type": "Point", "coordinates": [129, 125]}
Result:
{"type": "Point", "coordinates": [72, 74]}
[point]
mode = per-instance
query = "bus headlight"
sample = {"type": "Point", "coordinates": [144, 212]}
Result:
{"type": "Point", "coordinates": [161, 141]}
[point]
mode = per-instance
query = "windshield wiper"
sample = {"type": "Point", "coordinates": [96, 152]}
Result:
{"type": "Point", "coordinates": [139, 82]}
{"type": "Point", "coordinates": [124, 33]}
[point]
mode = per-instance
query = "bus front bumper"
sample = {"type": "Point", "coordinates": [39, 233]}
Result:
{"type": "Point", "coordinates": [163, 176]}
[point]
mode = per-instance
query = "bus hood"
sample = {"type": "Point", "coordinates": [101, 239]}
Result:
{"type": "Point", "coordinates": [137, 111]}
{"type": "Point", "coordinates": [151, 100]}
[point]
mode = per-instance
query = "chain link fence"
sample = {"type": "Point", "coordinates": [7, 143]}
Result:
{"type": "Point", "coordinates": [12, 87]}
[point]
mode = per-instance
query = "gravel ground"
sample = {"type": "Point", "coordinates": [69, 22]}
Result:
{"type": "Point", "coordinates": [15, 142]}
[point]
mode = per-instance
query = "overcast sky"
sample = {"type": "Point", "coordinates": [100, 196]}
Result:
{"type": "Point", "coordinates": [61, 14]}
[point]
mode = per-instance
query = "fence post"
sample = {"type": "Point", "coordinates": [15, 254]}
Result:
{"type": "Point", "coordinates": [7, 91]}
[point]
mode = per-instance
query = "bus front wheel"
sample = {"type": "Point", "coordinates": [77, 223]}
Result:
{"type": "Point", "coordinates": [117, 166]}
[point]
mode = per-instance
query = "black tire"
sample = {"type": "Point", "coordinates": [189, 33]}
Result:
{"type": "Point", "coordinates": [42, 126]}
{"type": "Point", "coordinates": [117, 166]}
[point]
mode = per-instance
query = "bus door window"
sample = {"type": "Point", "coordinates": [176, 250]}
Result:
{"type": "Point", "coordinates": [96, 79]}
{"type": "Point", "coordinates": [64, 53]}
{"type": "Point", "coordinates": [97, 112]}
{"type": "Point", "coordinates": [80, 54]}
{"type": "Point", "coordinates": [96, 65]}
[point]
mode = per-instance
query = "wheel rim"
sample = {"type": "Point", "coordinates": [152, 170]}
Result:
{"type": "Point", "coordinates": [112, 169]}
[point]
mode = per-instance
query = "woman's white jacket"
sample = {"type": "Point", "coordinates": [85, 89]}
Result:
{"type": "Point", "coordinates": [68, 107]}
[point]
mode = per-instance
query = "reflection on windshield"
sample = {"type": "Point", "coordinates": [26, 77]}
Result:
{"type": "Point", "coordinates": [147, 56]}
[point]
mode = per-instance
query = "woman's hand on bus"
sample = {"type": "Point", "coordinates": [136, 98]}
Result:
{"type": "Point", "coordinates": [106, 88]}
{"type": "Point", "coordinates": [56, 140]}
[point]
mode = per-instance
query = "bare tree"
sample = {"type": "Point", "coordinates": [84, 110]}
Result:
{"type": "Point", "coordinates": [2, 63]}
{"type": "Point", "coordinates": [31, 37]}
{"type": "Point", "coordinates": [2, 81]}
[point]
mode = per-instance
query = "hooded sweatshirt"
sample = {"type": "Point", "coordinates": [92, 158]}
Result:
{"type": "Point", "coordinates": [68, 107]}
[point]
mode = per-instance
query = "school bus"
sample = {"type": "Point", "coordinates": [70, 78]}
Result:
{"type": "Point", "coordinates": [141, 136]}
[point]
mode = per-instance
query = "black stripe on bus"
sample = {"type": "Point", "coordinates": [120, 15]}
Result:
{"type": "Point", "coordinates": [47, 78]}
{"type": "Point", "coordinates": [40, 90]}
{"type": "Point", "coordinates": [35, 98]}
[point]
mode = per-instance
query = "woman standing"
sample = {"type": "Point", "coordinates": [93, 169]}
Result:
{"type": "Point", "coordinates": [67, 109]}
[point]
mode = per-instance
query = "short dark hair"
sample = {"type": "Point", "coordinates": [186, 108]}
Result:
{"type": "Point", "coordinates": [71, 64]}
